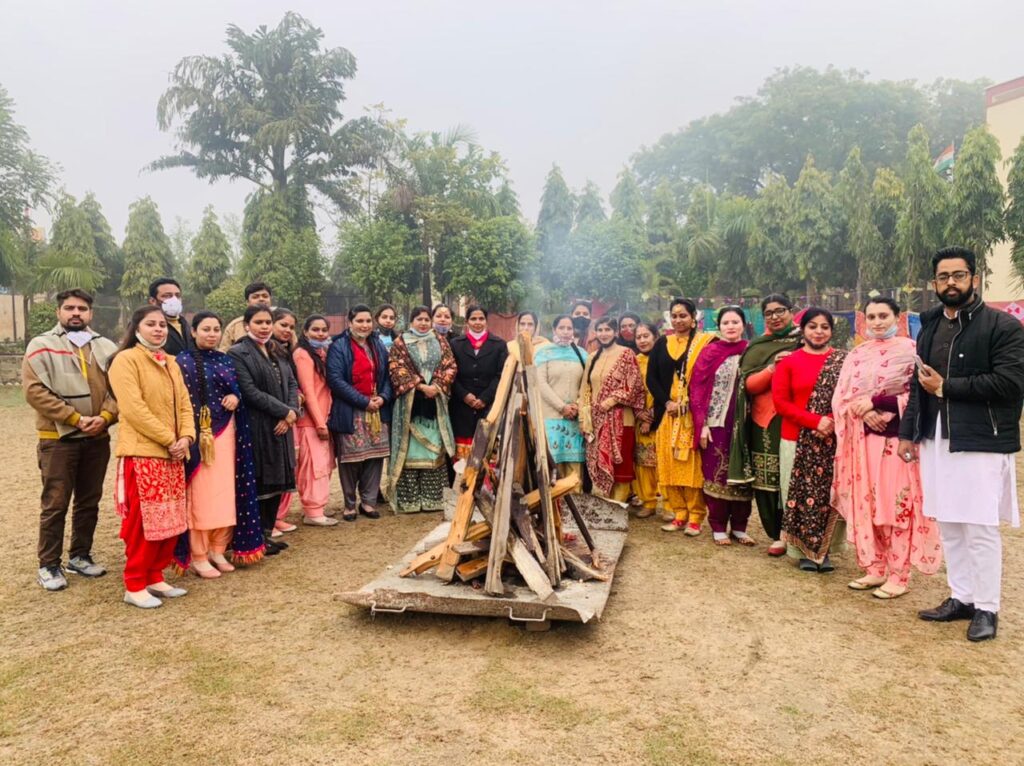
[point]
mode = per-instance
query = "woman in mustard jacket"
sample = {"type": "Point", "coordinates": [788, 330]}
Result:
{"type": "Point", "coordinates": [156, 431]}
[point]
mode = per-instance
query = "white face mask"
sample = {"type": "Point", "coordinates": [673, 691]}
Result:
{"type": "Point", "coordinates": [79, 337]}
{"type": "Point", "coordinates": [147, 345]}
{"type": "Point", "coordinates": [172, 307]}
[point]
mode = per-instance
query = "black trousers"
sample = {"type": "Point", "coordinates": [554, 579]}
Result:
{"type": "Point", "coordinates": [268, 512]}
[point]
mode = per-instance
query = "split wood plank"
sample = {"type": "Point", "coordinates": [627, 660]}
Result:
{"type": "Point", "coordinates": [431, 558]}
{"type": "Point", "coordinates": [581, 524]}
{"type": "Point", "coordinates": [530, 570]}
{"type": "Point", "coordinates": [503, 501]}
{"type": "Point", "coordinates": [523, 520]}
{"type": "Point", "coordinates": [471, 569]}
{"type": "Point", "coordinates": [483, 444]}
{"type": "Point", "coordinates": [473, 547]}
{"type": "Point", "coordinates": [558, 489]}
{"type": "Point", "coordinates": [552, 563]}
{"type": "Point", "coordinates": [582, 568]}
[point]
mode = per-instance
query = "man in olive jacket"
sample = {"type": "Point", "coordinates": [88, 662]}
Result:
{"type": "Point", "coordinates": [963, 423]}
{"type": "Point", "coordinates": [64, 379]}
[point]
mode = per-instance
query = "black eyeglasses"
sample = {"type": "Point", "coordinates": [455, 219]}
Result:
{"type": "Point", "coordinates": [956, 276]}
{"type": "Point", "coordinates": [774, 313]}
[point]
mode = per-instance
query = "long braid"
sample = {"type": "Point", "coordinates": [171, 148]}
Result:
{"type": "Point", "coordinates": [204, 389]}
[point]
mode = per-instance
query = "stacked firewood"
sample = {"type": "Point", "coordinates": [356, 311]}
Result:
{"type": "Point", "coordinates": [509, 479]}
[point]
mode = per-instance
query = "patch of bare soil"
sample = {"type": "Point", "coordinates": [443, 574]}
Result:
{"type": "Point", "coordinates": [704, 656]}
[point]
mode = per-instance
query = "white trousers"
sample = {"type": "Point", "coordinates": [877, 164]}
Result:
{"type": "Point", "coordinates": [974, 563]}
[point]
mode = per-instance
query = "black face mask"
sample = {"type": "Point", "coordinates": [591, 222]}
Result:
{"type": "Point", "coordinates": [962, 300]}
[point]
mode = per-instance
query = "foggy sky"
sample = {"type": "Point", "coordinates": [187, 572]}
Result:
{"type": "Point", "coordinates": [583, 84]}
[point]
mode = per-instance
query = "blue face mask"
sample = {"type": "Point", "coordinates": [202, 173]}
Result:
{"type": "Point", "coordinates": [441, 329]}
{"type": "Point", "coordinates": [318, 344]}
{"type": "Point", "coordinates": [890, 333]}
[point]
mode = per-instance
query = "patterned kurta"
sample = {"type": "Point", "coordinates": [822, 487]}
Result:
{"type": "Point", "coordinates": [678, 457]}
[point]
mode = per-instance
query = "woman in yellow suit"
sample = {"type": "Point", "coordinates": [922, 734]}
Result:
{"type": "Point", "coordinates": [668, 372]}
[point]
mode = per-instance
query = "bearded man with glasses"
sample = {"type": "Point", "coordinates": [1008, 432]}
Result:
{"type": "Point", "coordinates": [963, 423]}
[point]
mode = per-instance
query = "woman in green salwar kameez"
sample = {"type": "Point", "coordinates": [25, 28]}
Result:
{"type": "Point", "coordinates": [422, 369]}
{"type": "Point", "coordinates": [757, 429]}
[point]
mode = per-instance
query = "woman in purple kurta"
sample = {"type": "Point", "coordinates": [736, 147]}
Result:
{"type": "Point", "coordinates": [713, 404]}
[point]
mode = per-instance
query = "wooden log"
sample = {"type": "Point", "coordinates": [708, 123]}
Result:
{"type": "Point", "coordinates": [483, 443]}
{"type": "Point", "coordinates": [503, 500]}
{"type": "Point", "coordinates": [581, 524]}
{"type": "Point", "coordinates": [552, 563]}
{"type": "Point", "coordinates": [471, 569]}
{"type": "Point", "coordinates": [559, 488]}
{"type": "Point", "coordinates": [431, 558]}
{"type": "Point", "coordinates": [473, 547]}
{"type": "Point", "coordinates": [530, 569]}
{"type": "Point", "coordinates": [523, 520]}
{"type": "Point", "coordinates": [581, 567]}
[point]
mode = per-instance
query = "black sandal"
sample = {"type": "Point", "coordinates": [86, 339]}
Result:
{"type": "Point", "coordinates": [826, 565]}
{"type": "Point", "coordinates": [348, 515]}
{"type": "Point", "coordinates": [373, 513]}
{"type": "Point", "coordinates": [806, 565]}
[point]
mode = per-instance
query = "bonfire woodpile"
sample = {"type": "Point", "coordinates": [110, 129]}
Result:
{"type": "Point", "coordinates": [509, 479]}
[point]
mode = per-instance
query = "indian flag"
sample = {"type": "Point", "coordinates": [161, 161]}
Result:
{"type": "Point", "coordinates": [944, 161]}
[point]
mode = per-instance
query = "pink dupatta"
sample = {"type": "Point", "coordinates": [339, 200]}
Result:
{"type": "Point", "coordinates": [871, 485]}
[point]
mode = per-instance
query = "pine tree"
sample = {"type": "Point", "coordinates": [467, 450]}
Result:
{"type": "Point", "coordinates": [507, 200]}
{"type": "Point", "coordinates": [921, 223]}
{"type": "Point", "coordinates": [772, 262]}
{"type": "Point", "coordinates": [147, 252]}
{"type": "Point", "coordinates": [210, 260]}
{"type": "Point", "coordinates": [863, 241]}
{"type": "Point", "coordinates": [886, 203]}
{"type": "Point", "coordinates": [557, 208]}
{"type": "Point", "coordinates": [554, 225]}
{"type": "Point", "coordinates": [70, 261]}
{"type": "Point", "coordinates": [976, 210]}
{"type": "Point", "coordinates": [815, 228]}
{"type": "Point", "coordinates": [107, 251]}
{"type": "Point", "coordinates": [627, 201]}
{"type": "Point", "coordinates": [589, 208]}
{"type": "Point", "coordinates": [281, 247]}
{"type": "Point", "coordinates": [1015, 212]}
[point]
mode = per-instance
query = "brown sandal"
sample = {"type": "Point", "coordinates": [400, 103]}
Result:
{"type": "Point", "coordinates": [723, 542]}
{"type": "Point", "coordinates": [747, 541]}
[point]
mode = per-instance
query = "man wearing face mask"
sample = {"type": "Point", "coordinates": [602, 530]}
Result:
{"type": "Point", "coordinates": [962, 422]}
{"type": "Point", "coordinates": [64, 379]}
{"type": "Point", "coordinates": [166, 293]}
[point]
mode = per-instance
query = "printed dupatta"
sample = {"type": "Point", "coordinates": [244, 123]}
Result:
{"type": "Point", "coordinates": [862, 493]}
{"type": "Point", "coordinates": [759, 354]}
{"type": "Point", "coordinates": [406, 373]}
{"type": "Point", "coordinates": [623, 384]}
{"type": "Point", "coordinates": [808, 517]}
{"type": "Point", "coordinates": [247, 542]}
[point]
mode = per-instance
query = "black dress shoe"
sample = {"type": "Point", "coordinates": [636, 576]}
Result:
{"type": "Point", "coordinates": [270, 550]}
{"type": "Point", "coordinates": [983, 626]}
{"type": "Point", "coordinates": [373, 514]}
{"type": "Point", "coordinates": [949, 610]}
{"type": "Point", "coordinates": [806, 565]}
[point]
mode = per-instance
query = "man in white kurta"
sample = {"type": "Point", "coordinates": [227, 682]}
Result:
{"type": "Point", "coordinates": [963, 423]}
{"type": "Point", "coordinates": [969, 494]}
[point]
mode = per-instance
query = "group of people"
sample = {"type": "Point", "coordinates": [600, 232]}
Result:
{"type": "Point", "coordinates": [903, 450]}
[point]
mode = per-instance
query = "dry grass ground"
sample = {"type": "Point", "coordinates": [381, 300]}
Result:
{"type": "Point", "coordinates": [705, 656]}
